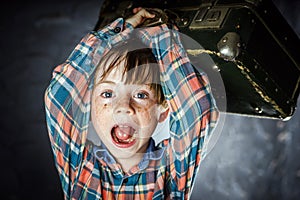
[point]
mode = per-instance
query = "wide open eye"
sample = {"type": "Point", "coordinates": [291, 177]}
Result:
{"type": "Point", "coordinates": [141, 95]}
{"type": "Point", "coordinates": [107, 94]}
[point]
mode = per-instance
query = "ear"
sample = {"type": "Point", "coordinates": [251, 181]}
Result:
{"type": "Point", "coordinates": [163, 115]}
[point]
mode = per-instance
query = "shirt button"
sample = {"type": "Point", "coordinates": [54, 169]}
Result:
{"type": "Point", "coordinates": [117, 30]}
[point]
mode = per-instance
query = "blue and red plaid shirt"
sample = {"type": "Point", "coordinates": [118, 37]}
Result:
{"type": "Point", "coordinates": [168, 169]}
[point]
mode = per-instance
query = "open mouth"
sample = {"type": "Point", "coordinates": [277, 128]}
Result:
{"type": "Point", "coordinates": [123, 136]}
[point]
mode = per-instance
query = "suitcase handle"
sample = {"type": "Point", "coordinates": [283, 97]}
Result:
{"type": "Point", "coordinates": [164, 16]}
{"type": "Point", "coordinates": [160, 18]}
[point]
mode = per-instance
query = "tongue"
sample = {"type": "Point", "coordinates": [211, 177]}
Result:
{"type": "Point", "coordinates": [124, 133]}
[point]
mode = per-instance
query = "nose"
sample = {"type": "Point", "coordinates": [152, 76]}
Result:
{"type": "Point", "coordinates": [124, 106]}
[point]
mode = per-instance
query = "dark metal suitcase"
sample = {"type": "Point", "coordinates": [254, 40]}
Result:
{"type": "Point", "coordinates": [253, 48]}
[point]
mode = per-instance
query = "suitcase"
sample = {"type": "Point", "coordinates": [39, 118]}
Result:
{"type": "Point", "coordinates": [255, 58]}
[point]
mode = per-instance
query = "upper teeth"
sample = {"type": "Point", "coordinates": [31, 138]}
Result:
{"type": "Point", "coordinates": [123, 126]}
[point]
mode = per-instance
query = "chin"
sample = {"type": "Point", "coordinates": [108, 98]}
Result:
{"type": "Point", "coordinates": [122, 153]}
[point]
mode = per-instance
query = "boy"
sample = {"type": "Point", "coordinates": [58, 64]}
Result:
{"type": "Point", "coordinates": [105, 102]}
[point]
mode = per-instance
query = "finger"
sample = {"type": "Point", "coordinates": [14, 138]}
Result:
{"type": "Point", "coordinates": [139, 17]}
{"type": "Point", "coordinates": [135, 10]}
{"type": "Point", "coordinates": [145, 14]}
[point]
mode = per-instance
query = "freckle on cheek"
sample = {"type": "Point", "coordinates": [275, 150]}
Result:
{"type": "Point", "coordinates": [105, 106]}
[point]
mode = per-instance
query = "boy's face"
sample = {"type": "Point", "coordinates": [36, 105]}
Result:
{"type": "Point", "coordinates": [124, 115]}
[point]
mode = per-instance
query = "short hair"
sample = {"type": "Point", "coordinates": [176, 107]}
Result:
{"type": "Point", "coordinates": [140, 66]}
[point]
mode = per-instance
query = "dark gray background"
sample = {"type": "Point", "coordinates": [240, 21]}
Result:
{"type": "Point", "coordinates": [253, 158]}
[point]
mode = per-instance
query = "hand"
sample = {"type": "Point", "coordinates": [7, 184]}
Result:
{"type": "Point", "coordinates": [140, 14]}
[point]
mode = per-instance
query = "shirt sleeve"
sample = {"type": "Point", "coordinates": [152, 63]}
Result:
{"type": "Point", "coordinates": [193, 112]}
{"type": "Point", "coordinates": [67, 99]}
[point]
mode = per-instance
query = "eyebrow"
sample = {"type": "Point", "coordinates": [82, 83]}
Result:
{"type": "Point", "coordinates": [114, 83]}
{"type": "Point", "coordinates": [108, 82]}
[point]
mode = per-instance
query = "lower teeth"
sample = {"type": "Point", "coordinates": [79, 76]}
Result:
{"type": "Point", "coordinates": [122, 141]}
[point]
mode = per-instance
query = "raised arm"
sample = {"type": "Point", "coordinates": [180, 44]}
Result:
{"type": "Point", "coordinates": [67, 98]}
{"type": "Point", "coordinates": [193, 111]}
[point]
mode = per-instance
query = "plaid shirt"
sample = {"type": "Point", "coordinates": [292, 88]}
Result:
{"type": "Point", "coordinates": [167, 170]}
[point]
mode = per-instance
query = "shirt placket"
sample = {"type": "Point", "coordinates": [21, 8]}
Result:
{"type": "Point", "coordinates": [127, 187]}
